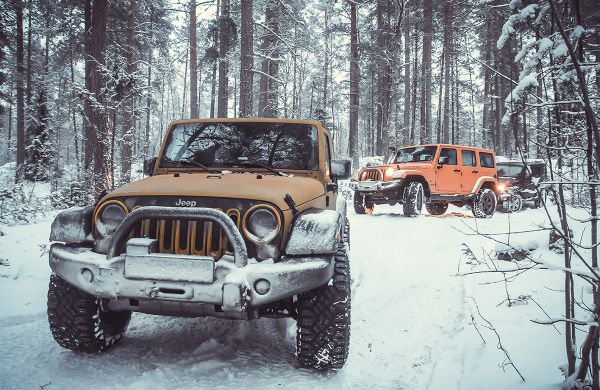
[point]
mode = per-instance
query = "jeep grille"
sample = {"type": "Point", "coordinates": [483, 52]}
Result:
{"type": "Point", "coordinates": [371, 174]}
{"type": "Point", "coordinates": [200, 238]}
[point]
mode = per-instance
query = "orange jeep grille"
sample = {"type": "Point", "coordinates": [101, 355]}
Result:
{"type": "Point", "coordinates": [200, 238]}
{"type": "Point", "coordinates": [372, 174]}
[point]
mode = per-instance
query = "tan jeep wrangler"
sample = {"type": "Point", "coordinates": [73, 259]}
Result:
{"type": "Point", "coordinates": [240, 219]}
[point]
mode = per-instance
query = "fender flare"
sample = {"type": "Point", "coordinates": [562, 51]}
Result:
{"type": "Point", "coordinates": [315, 232]}
{"type": "Point", "coordinates": [73, 226]}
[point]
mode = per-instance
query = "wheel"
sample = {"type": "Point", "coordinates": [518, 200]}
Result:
{"type": "Point", "coordinates": [323, 320]}
{"type": "Point", "coordinates": [413, 199]}
{"type": "Point", "coordinates": [485, 203]}
{"type": "Point", "coordinates": [358, 202]}
{"type": "Point", "coordinates": [515, 204]}
{"type": "Point", "coordinates": [78, 321]}
{"type": "Point", "coordinates": [436, 208]}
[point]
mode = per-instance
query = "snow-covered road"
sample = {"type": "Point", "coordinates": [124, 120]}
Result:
{"type": "Point", "coordinates": [410, 324]}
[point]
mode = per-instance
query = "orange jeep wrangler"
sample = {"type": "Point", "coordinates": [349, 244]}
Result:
{"type": "Point", "coordinates": [432, 174]}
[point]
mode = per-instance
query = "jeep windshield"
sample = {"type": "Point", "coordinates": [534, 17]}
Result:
{"type": "Point", "coordinates": [242, 144]}
{"type": "Point", "coordinates": [415, 154]}
{"type": "Point", "coordinates": [509, 170]}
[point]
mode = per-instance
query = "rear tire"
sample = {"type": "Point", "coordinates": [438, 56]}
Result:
{"type": "Point", "coordinates": [436, 208]}
{"type": "Point", "coordinates": [413, 199]}
{"type": "Point", "coordinates": [358, 201]}
{"type": "Point", "coordinates": [78, 321]}
{"type": "Point", "coordinates": [323, 322]}
{"type": "Point", "coordinates": [485, 203]}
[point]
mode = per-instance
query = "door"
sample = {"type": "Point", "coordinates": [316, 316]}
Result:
{"type": "Point", "coordinates": [448, 172]}
{"type": "Point", "coordinates": [470, 171]}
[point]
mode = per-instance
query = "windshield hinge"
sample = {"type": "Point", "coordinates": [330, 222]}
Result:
{"type": "Point", "coordinates": [290, 202]}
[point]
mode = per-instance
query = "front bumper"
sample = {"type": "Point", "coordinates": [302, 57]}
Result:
{"type": "Point", "coordinates": [375, 186]}
{"type": "Point", "coordinates": [231, 285]}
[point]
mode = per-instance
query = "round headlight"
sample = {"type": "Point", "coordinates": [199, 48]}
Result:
{"type": "Point", "coordinates": [389, 172]}
{"type": "Point", "coordinates": [110, 218]}
{"type": "Point", "coordinates": [261, 225]}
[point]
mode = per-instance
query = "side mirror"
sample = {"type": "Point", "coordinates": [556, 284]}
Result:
{"type": "Point", "coordinates": [442, 160]}
{"type": "Point", "coordinates": [149, 164]}
{"type": "Point", "coordinates": [341, 169]}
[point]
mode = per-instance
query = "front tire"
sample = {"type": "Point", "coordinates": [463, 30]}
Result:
{"type": "Point", "coordinates": [485, 203]}
{"type": "Point", "coordinates": [413, 199]}
{"type": "Point", "coordinates": [358, 202]}
{"type": "Point", "coordinates": [323, 322]}
{"type": "Point", "coordinates": [436, 208]}
{"type": "Point", "coordinates": [78, 321]}
{"type": "Point", "coordinates": [515, 204]}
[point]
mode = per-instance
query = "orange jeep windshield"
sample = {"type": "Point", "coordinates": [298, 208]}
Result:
{"type": "Point", "coordinates": [275, 145]}
{"type": "Point", "coordinates": [415, 154]}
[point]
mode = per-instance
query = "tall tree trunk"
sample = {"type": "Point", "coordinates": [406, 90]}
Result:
{"type": "Point", "coordinates": [354, 86]}
{"type": "Point", "coordinates": [448, 48]}
{"type": "Point", "coordinates": [29, 51]}
{"type": "Point", "coordinates": [246, 59]}
{"type": "Point", "coordinates": [224, 44]}
{"type": "Point", "coordinates": [149, 86]}
{"type": "Point", "coordinates": [88, 127]}
{"type": "Point", "coordinates": [268, 99]}
{"type": "Point", "coordinates": [406, 128]}
{"type": "Point", "coordinates": [102, 179]}
{"type": "Point", "coordinates": [20, 93]}
{"type": "Point", "coordinates": [193, 62]}
{"type": "Point", "coordinates": [426, 72]}
{"type": "Point", "coordinates": [384, 75]}
{"type": "Point", "coordinates": [213, 85]}
{"type": "Point", "coordinates": [129, 109]}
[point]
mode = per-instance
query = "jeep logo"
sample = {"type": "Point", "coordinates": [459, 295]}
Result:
{"type": "Point", "coordinates": [185, 203]}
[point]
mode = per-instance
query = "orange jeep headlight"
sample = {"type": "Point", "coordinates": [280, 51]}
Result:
{"type": "Point", "coordinates": [502, 187]}
{"type": "Point", "coordinates": [389, 172]}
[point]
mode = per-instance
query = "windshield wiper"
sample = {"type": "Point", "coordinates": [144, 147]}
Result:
{"type": "Point", "coordinates": [189, 162]}
{"type": "Point", "coordinates": [251, 164]}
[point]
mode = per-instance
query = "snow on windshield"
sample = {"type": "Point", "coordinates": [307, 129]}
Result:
{"type": "Point", "coordinates": [277, 145]}
{"type": "Point", "coordinates": [416, 154]}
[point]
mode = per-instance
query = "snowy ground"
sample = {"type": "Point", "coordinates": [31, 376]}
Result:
{"type": "Point", "coordinates": [412, 325]}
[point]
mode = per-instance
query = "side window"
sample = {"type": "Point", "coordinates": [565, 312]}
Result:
{"type": "Point", "coordinates": [536, 170]}
{"type": "Point", "coordinates": [450, 154]}
{"type": "Point", "coordinates": [468, 158]}
{"type": "Point", "coordinates": [486, 160]}
{"type": "Point", "coordinates": [327, 154]}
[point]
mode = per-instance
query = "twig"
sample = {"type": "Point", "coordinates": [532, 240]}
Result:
{"type": "Point", "coordinates": [508, 361]}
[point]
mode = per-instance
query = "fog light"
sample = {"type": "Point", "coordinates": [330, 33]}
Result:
{"type": "Point", "coordinates": [262, 286]}
{"type": "Point", "coordinates": [87, 275]}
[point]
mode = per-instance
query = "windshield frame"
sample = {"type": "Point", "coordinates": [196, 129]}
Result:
{"type": "Point", "coordinates": [176, 159]}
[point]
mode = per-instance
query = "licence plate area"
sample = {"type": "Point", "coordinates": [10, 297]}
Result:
{"type": "Point", "coordinates": [156, 266]}
{"type": "Point", "coordinates": [367, 185]}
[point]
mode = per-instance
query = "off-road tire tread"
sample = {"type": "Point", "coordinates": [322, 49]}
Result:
{"type": "Point", "coordinates": [358, 202]}
{"type": "Point", "coordinates": [75, 320]}
{"type": "Point", "coordinates": [410, 193]}
{"type": "Point", "coordinates": [477, 206]}
{"type": "Point", "coordinates": [436, 208]}
{"type": "Point", "coordinates": [323, 335]}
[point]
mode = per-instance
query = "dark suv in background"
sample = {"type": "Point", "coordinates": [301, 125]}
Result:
{"type": "Point", "coordinates": [518, 183]}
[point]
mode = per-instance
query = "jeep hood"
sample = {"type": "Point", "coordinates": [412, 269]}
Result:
{"type": "Point", "coordinates": [411, 165]}
{"type": "Point", "coordinates": [269, 188]}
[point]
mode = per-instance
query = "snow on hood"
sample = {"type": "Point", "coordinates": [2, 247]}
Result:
{"type": "Point", "coordinates": [268, 187]}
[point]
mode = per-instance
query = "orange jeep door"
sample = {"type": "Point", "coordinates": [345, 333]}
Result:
{"type": "Point", "coordinates": [448, 177]}
{"type": "Point", "coordinates": [470, 170]}
{"type": "Point", "coordinates": [487, 166]}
